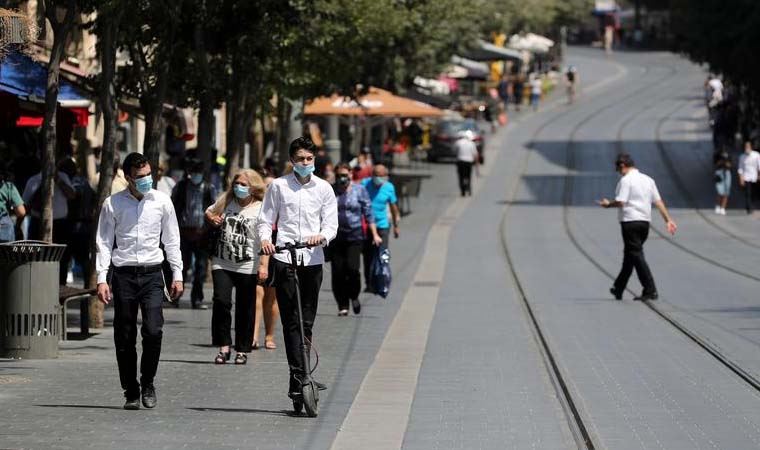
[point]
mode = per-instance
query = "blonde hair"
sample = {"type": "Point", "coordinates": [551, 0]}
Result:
{"type": "Point", "coordinates": [255, 183]}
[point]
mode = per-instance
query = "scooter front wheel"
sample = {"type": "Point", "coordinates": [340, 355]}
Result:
{"type": "Point", "coordinates": [310, 399]}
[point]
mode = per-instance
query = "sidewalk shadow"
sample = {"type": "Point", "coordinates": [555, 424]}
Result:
{"type": "Point", "coordinates": [182, 361]}
{"type": "Point", "coordinates": [282, 412]}
{"type": "Point", "coordinates": [82, 406]}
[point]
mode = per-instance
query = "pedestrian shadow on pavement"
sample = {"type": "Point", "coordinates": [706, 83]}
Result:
{"type": "Point", "coordinates": [269, 412]}
{"type": "Point", "coordinates": [120, 408]}
{"type": "Point", "coordinates": [184, 361]}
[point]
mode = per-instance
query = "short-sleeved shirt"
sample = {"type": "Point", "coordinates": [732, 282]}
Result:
{"type": "Point", "coordinates": [238, 247]}
{"type": "Point", "coordinates": [9, 198]}
{"type": "Point", "coordinates": [637, 192]}
{"type": "Point", "coordinates": [467, 151]}
{"type": "Point", "coordinates": [381, 196]}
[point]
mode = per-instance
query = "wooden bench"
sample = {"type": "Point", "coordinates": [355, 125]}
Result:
{"type": "Point", "coordinates": [68, 294]}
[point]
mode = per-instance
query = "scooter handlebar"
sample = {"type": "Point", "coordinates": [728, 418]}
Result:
{"type": "Point", "coordinates": [292, 246]}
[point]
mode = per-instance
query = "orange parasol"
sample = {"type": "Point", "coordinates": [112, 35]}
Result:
{"type": "Point", "coordinates": [377, 102]}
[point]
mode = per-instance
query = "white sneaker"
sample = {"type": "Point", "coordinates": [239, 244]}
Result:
{"type": "Point", "coordinates": [717, 209]}
{"type": "Point", "coordinates": [722, 211]}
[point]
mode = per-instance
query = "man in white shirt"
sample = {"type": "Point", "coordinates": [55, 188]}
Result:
{"type": "Point", "coordinates": [304, 209]}
{"type": "Point", "coordinates": [749, 165]}
{"type": "Point", "coordinates": [467, 155]}
{"type": "Point", "coordinates": [132, 224]}
{"type": "Point", "coordinates": [634, 196]}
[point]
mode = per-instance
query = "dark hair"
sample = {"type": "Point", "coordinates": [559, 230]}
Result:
{"type": "Point", "coordinates": [343, 165]}
{"type": "Point", "coordinates": [624, 159]}
{"type": "Point", "coordinates": [68, 166]}
{"type": "Point", "coordinates": [134, 160]}
{"type": "Point", "coordinates": [193, 165]}
{"type": "Point", "coordinates": [302, 143]}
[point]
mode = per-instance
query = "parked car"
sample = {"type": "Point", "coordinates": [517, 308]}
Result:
{"type": "Point", "coordinates": [445, 133]}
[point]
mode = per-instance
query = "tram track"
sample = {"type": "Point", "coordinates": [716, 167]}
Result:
{"type": "Point", "coordinates": [580, 431]}
{"type": "Point", "coordinates": [574, 417]}
{"type": "Point", "coordinates": [701, 342]}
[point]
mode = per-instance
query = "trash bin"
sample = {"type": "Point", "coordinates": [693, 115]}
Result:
{"type": "Point", "coordinates": [29, 324]}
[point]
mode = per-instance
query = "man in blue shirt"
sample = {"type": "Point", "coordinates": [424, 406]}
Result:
{"type": "Point", "coordinates": [383, 194]}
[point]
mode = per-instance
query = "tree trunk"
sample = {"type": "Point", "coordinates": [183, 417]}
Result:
{"type": "Point", "coordinates": [107, 99]}
{"type": "Point", "coordinates": [236, 127]}
{"type": "Point", "coordinates": [283, 131]}
{"type": "Point", "coordinates": [61, 31]}
{"type": "Point", "coordinates": [206, 100]}
{"type": "Point", "coordinates": [154, 126]}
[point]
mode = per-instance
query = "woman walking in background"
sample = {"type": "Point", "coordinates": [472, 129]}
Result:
{"type": "Point", "coordinates": [354, 209]}
{"type": "Point", "coordinates": [722, 181]}
{"type": "Point", "coordinates": [266, 298]}
{"type": "Point", "coordinates": [235, 263]}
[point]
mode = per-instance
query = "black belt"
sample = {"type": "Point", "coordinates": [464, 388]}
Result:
{"type": "Point", "coordinates": [137, 269]}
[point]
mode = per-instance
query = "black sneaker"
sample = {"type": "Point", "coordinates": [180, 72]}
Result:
{"type": "Point", "coordinates": [615, 293]}
{"type": "Point", "coordinates": [356, 305]}
{"type": "Point", "coordinates": [132, 404]}
{"type": "Point", "coordinates": [149, 399]}
{"type": "Point", "coordinates": [645, 297]}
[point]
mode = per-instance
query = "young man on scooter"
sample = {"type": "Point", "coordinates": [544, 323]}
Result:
{"type": "Point", "coordinates": [304, 209]}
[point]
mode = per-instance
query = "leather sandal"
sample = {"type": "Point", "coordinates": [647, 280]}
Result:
{"type": "Point", "coordinates": [241, 358]}
{"type": "Point", "coordinates": [222, 358]}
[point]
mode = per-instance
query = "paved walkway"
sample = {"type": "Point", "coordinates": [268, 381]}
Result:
{"type": "Point", "coordinates": [450, 359]}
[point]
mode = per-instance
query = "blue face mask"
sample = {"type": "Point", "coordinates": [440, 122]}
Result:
{"type": "Point", "coordinates": [144, 184]}
{"type": "Point", "coordinates": [196, 178]}
{"type": "Point", "coordinates": [303, 171]}
{"type": "Point", "coordinates": [241, 192]}
{"type": "Point", "coordinates": [379, 181]}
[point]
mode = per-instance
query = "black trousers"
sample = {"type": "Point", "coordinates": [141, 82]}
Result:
{"type": "Point", "coordinates": [370, 250]}
{"type": "Point", "coordinates": [194, 248]}
{"type": "Point", "coordinates": [345, 258]}
{"type": "Point", "coordinates": [464, 171]}
{"type": "Point", "coordinates": [309, 281]}
{"type": "Point", "coordinates": [245, 309]}
{"type": "Point", "coordinates": [130, 292]}
{"type": "Point", "coordinates": [634, 235]}
{"type": "Point", "coordinates": [748, 188]}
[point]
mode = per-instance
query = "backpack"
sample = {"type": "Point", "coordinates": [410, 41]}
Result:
{"type": "Point", "coordinates": [380, 272]}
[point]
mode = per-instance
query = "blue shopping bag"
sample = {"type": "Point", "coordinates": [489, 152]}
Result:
{"type": "Point", "coordinates": [380, 272]}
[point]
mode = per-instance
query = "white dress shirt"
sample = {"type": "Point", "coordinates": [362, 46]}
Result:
{"type": "Point", "coordinates": [300, 211]}
{"type": "Point", "coordinates": [637, 192]}
{"type": "Point", "coordinates": [60, 202]}
{"type": "Point", "coordinates": [467, 151]}
{"type": "Point", "coordinates": [749, 164]}
{"type": "Point", "coordinates": [136, 227]}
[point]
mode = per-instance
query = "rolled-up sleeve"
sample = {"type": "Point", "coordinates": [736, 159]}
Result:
{"type": "Point", "coordinates": [170, 239]}
{"type": "Point", "coordinates": [104, 241]}
{"type": "Point", "coordinates": [268, 214]}
{"type": "Point", "coordinates": [329, 215]}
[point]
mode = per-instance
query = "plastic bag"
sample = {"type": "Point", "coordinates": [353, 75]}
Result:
{"type": "Point", "coordinates": [380, 272]}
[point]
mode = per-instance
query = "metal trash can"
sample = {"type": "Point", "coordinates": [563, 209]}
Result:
{"type": "Point", "coordinates": [29, 308]}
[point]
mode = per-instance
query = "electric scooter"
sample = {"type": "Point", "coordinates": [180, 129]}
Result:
{"type": "Point", "coordinates": [309, 397]}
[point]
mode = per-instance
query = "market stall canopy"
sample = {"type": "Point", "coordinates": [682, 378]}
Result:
{"type": "Point", "coordinates": [377, 102]}
{"type": "Point", "coordinates": [464, 68]}
{"type": "Point", "coordinates": [25, 78]}
{"type": "Point", "coordinates": [530, 42]}
{"type": "Point", "coordinates": [486, 51]}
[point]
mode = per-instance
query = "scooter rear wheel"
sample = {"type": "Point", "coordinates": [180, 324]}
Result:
{"type": "Point", "coordinates": [310, 400]}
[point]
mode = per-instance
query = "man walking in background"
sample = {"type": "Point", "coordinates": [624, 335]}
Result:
{"type": "Point", "coordinates": [467, 155]}
{"type": "Point", "coordinates": [383, 195]}
{"type": "Point", "coordinates": [191, 196]}
{"type": "Point", "coordinates": [749, 165]}
{"type": "Point", "coordinates": [132, 224]}
{"type": "Point", "coordinates": [634, 196]}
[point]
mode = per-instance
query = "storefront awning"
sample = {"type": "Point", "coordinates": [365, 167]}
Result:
{"type": "Point", "coordinates": [486, 51]}
{"type": "Point", "coordinates": [25, 78]}
{"type": "Point", "coordinates": [377, 102]}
